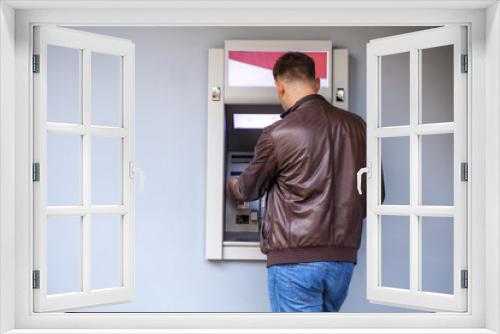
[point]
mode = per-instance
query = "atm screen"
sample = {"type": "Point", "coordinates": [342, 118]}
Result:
{"type": "Point", "coordinates": [254, 121]}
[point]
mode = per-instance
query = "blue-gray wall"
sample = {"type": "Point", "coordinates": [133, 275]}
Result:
{"type": "Point", "coordinates": [171, 273]}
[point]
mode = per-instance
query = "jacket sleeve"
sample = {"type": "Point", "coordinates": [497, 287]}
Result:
{"type": "Point", "coordinates": [261, 173]}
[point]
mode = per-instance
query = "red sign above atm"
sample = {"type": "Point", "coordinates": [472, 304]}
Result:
{"type": "Point", "coordinates": [254, 68]}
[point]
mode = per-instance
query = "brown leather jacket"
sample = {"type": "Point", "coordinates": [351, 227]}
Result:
{"type": "Point", "coordinates": [307, 163]}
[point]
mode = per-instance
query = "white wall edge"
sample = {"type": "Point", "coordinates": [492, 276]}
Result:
{"type": "Point", "coordinates": [253, 331]}
{"type": "Point", "coordinates": [467, 4]}
{"type": "Point", "coordinates": [492, 165]}
{"type": "Point", "coordinates": [7, 167]}
{"type": "Point", "coordinates": [228, 16]}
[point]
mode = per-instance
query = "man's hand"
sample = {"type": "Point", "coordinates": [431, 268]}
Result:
{"type": "Point", "coordinates": [231, 184]}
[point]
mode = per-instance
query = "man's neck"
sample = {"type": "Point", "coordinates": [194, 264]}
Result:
{"type": "Point", "coordinates": [296, 96]}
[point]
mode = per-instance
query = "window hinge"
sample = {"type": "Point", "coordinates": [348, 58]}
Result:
{"type": "Point", "coordinates": [464, 171]}
{"type": "Point", "coordinates": [36, 172]}
{"type": "Point", "coordinates": [465, 64]}
{"type": "Point", "coordinates": [36, 279]}
{"type": "Point", "coordinates": [36, 63]}
{"type": "Point", "coordinates": [464, 279]}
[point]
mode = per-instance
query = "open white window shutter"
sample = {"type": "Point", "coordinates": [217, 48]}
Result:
{"type": "Point", "coordinates": [413, 44]}
{"type": "Point", "coordinates": [86, 43]}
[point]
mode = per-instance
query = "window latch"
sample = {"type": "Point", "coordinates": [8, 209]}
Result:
{"type": "Point", "coordinates": [133, 170]}
{"type": "Point", "coordinates": [360, 173]}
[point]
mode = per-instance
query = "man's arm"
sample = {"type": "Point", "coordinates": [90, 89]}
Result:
{"type": "Point", "coordinates": [260, 174]}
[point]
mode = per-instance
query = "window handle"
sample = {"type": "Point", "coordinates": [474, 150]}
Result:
{"type": "Point", "coordinates": [136, 170]}
{"type": "Point", "coordinates": [360, 174]}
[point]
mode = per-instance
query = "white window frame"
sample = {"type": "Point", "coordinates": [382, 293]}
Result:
{"type": "Point", "coordinates": [86, 43]}
{"type": "Point", "coordinates": [412, 44]}
{"type": "Point", "coordinates": [483, 122]}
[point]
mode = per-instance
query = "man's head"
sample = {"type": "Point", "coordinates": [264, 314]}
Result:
{"type": "Point", "coordinates": [295, 76]}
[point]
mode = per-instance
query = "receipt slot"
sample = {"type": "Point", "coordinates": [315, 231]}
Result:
{"type": "Point", "coordinates": [242, 101]}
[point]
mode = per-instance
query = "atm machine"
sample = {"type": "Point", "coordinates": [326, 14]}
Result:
{"type": "Point", "coordinates": [242, 101]}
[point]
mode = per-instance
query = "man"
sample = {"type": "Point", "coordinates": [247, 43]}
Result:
{"type": "Point", "coordinates": [307, 163]}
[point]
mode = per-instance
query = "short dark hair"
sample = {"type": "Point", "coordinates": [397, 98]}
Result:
{"type": "Point", "coordinates": [294, 65]}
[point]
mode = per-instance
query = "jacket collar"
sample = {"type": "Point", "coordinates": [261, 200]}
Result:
{"type": "Point", "coordinates": [299, 102]}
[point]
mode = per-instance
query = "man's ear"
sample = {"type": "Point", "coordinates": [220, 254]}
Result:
{"type": "Point", "coordinates": [280, 87]}
{"type": "Point", "coordinates": [317, 85]}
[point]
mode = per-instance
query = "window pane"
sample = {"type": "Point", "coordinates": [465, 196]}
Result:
{"type": "Point", "coordinates": [396, 168]}
{"type": "Point", "coordinates": [64, 161]}
{"type": "Point", "coordinates": [63, 84]}
{"type": "Point", "coordinates": [437, 169]}
{"type": "Point", "coordinates": [106, 251]}
{"type": "Point", "coordinates": [106, 170]}
{"type": "Point", "coordinates": [437, 254]}
{"type": "Point", "coordinates": [106, 90]}
{"type": "Point", "coordinates": [395, 89]}
{"type": "Point", "coordinates": [395, 251]}
{"type": "Point", "coordinates": [64, 254]}
{"type": "Point", "coordinates": [437, 84]}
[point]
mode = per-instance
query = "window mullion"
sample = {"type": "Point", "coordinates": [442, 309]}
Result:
{"type": "Point", "coordinates": [414, 172]}
{"type": "Point", "coordinates": [419, 127]}
{"type": "Point", "coordinates": [127, 102]}
{"type": "Point", "coordinates": [87, 171]}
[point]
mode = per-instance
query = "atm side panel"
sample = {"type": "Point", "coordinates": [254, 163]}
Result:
{"type": "Point", "coordinates": [215, 185]}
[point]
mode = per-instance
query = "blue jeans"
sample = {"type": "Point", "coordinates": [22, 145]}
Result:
{"type": "Point", "coordinates": [309, 287]}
